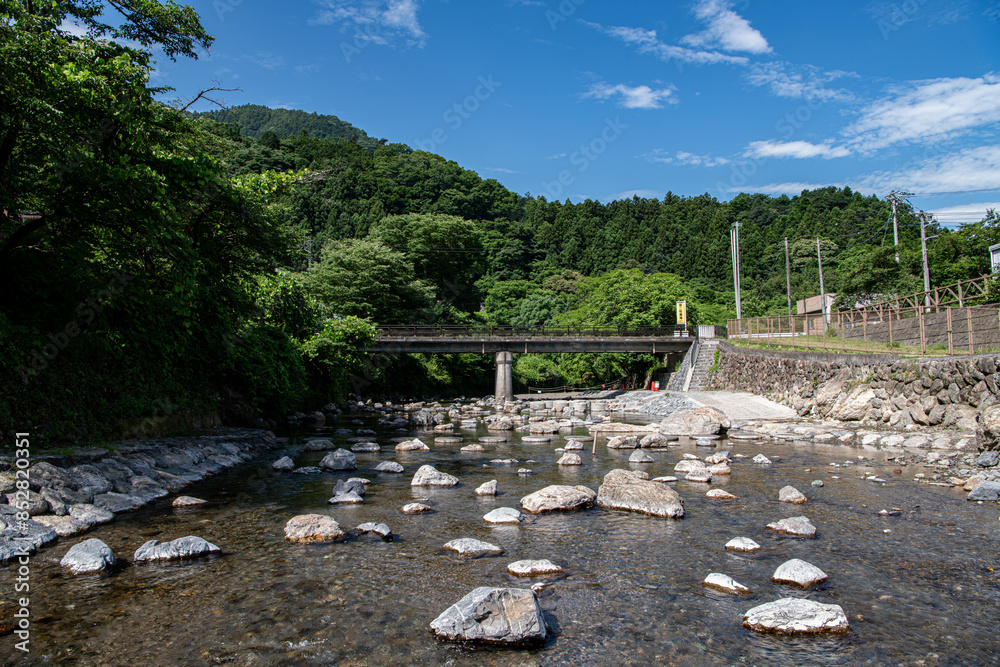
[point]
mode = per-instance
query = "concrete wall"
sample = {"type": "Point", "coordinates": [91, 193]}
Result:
{"type": "Point", "coordinates": [873, 388]}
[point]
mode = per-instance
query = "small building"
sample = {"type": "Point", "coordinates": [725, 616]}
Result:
{"type": "Point", "coordinates": [817, 310]}
{"type": "Point", "coordinates": [994, 258]}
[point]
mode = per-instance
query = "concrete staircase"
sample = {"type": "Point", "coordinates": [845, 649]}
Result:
{"type": "Point", "coordinates": [706, 356]}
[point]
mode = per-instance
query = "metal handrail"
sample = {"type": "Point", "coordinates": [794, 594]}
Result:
{"type": "Point", "coordinates": [448, 330]}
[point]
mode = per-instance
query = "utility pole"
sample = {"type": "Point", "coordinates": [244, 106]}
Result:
{"type": "Point", "coordinates": [822, 290]}
{"type": "Point", "coordinates": [788, 283]}
{"type": "Point", "coordinates": [734, 239]}
{"type": "Point", "coordinates": [897, 197]}
{"type": "Point", "coordinates": [923, 248]}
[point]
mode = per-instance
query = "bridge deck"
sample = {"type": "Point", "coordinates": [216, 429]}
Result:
{"type": "Point", "coordinates": [483, 340]}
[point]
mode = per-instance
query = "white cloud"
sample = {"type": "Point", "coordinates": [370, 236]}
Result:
{"type": "Point", "coordinates": [502, 170]}
{"type": "Point", "coordinates": [954, 215]}
{"type": "Point", "coordinates": [726, 30]}
{"type": "Point", "coordinates": [936, 110]}
{"type": "Point", "coordinates": [794, 149]}
{"type": "Point", "coordinates": [788, 188]}
{"type": "Point", "coordinates": [647, 42]}
{"type": "Point", "coordinates": [639, 97]}
{"type": "Point", "coordinates": [266, 59]}
{"type": "Point", "coordinates": [684, 158]}
{"type": "Point", "coordinates": [798, 81]}
{"type": "Point", "coordinates": [379, 21]}
{"type": "Point", "coordinates": [557, 156]}
{"type": "Point", "coordinates": [970, 169]}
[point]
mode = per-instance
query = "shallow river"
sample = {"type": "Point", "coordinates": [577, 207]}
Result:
{"type": "Point", "coordinates": [630, 592]}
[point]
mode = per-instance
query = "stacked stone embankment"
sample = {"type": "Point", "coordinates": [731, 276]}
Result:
{"type": "Point", "coordinates": [872, 389]}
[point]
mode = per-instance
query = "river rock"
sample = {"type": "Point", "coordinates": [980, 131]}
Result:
{"type": "Point", "coordinates": [474, 447]}
{"type": "Point", "coordinates": [348, 498]}
{"type": "Point", "coordinates": [428, 475]}
{"type": "Point", "coordinates": [308, 470]}
{"type": "Point", "coordinates": [380, 529]}
{"type": "Point", "coordinates": [573, 445]}
{"type": "Point", "coordinates": [742, 544]}
{"type": "Point", "coordinates": [988, 459]}
{"type": "Point", "coordinates": [318, 445]}
{"type": "Point", "coordinates": [687, 465]}
{"type": "Point", "coordinates": [624, 490]}
{"type": "Point", "coordinates": [988, 429]}
{"type": "Point", "coordinates": [657, 440]}
{"type": "Point", "coordinates": [312, 528]}
{"type": "Point", "coordinates": [699, 475]}
{"type": "Point", "coordinates": [719, 494]}
{"type": "Point", "coordinates": [118, 502]}
{"type": "Point", "coordinates": [719, 458]}
{"type": "Point", "coordinates": [389, 466]}
{"type": "Point", "coordinates": [761, 459]}
{"type": "Point", "coordinates": [65, 526]}
{"type": "Point", "coordinates": [531, 568]}
{"type": "Point", "coordinates": [508, 616]}
{"type": "Point", "coordinates": [466, 546]}
{"type": "Point", "coordinates": [725, 583]}
{"type": "Point", "coordinates": [569, 459]}
{"type": "Point", "coordinates": [700, 421]}
{"type": "Point", "coordinates": [284, 464]}
{"type": "Point", "coordinates": [798, 572]}
{"type": "Point", "coordinates": [639, 456]}
{"type": "Point", "coordinates": [415, 445]}
{"type": "Point", "coordinates": [503, 515]}
{"type": "Point", "coordinates": [799, 526]}
{"type": "Point", "coordinates": [91, 514]}
{"type": "Point", "coordinates": [182, 547]}
{"type": "Point", "coordinates": [666, 479]}
{"type": "Point", "coordinates": [487, 488]}
{"type": "Point", "coordinates": [558, 497]}
{"type": "Point", "coordinates": [988, 491]}
{"type": "Point", "coordinates": [790, 494]}
{"type": "Point", "coordinates": [623, 442]}
{"type": "Point", "coordinates": [365, 447]}
{"type": "Point", "coordinates": [793, 616]}
{"type": "Point", "coordinates": [339, 460]}
{"type": "Point", "coordinates": [720, 469]}
{"type": "Point", "coordinates": [88, 556]}
{"type": "Point", "coordinates": [416, 508]}
{"type": "Point", "coordinates": [355, 485]}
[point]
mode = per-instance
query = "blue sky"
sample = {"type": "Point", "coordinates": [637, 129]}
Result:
{"type": "Point", "coordinates": [592, 99]}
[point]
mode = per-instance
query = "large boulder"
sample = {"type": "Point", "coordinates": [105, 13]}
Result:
{"type": "Point", "coordinates": [312, 528]}
{"type": "Point", "coordinates": [339, 460]}
{"type": "Point", "coordinates": [854, 405]}
{"type": "Point", "coordinates": [795, 616]}
{"type": "Point", "coordinates": [988, 429]}
{"type": "Point", "coordinates": [623, 442]}
{"type": "Point", "coordinates": [625, 490]}
{"type": "Point", "coordinates": [988, 491]}
{"type": "Point", "coordinates": [700, 421]}
{"type": "Point", "coordinates": [182, 547]}
{"type": "Point", "coordinates": [558, 497]}
{"type": "Point", "coordinates": [428, 475]}
{"type": "Point", "coordinates": [799, 572]}
{"type": "Point", "coordinates": [799, 526]}
{"type": "Point", "coordinates": [415, 445]}
{"type": "Point", "coordinates": [88, 556]}
{"type": "Point", "coordinates": [507, 616]}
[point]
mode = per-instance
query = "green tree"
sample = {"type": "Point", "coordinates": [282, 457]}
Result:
{"type": "Point", "coordinates": [365, 278]}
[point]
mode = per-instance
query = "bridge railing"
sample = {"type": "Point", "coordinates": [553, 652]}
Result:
{"type": "Point", "coordinates": [456, 331]}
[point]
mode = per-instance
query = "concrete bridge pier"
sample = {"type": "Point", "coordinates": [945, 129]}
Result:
{"type": "Point", "coordinates": [505, 377]}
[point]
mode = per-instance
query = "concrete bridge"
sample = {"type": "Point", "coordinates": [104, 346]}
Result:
{"type": "Point", "coordinates": [504, 341]}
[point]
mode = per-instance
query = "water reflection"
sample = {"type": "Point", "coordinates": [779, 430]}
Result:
{"type": "Point", "coordinates": [630, 592]}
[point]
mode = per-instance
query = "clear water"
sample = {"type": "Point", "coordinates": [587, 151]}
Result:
{"type": "Point", "coordinates": [630, 592]}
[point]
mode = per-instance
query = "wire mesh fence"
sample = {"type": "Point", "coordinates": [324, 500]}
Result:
{"type": "Point", "coordinates": [934, 330]}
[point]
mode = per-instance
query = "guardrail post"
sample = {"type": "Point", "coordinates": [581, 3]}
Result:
{"type": "Point", "coordinates": [951, 335]}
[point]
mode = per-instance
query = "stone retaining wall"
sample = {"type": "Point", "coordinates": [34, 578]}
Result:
{"type": "Point", "coordinates": [873, 389]}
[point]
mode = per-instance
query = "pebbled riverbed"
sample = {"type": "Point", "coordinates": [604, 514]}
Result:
{"type": "Point", "coordinates": [630, 592]}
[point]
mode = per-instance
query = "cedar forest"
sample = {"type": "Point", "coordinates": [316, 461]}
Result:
{"type": "Point", "coordinates": [158, 262]}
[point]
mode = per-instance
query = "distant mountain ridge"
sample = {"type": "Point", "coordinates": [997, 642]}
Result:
{"type": "Point", "coordinates": [254, 120]}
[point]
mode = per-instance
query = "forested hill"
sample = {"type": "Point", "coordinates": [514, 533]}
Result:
{"type": "Point", "coordinates": [253, 120]}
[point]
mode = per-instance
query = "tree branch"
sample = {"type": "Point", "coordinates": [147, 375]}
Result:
{"type": "Point", "coordinates": [202, 94]}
